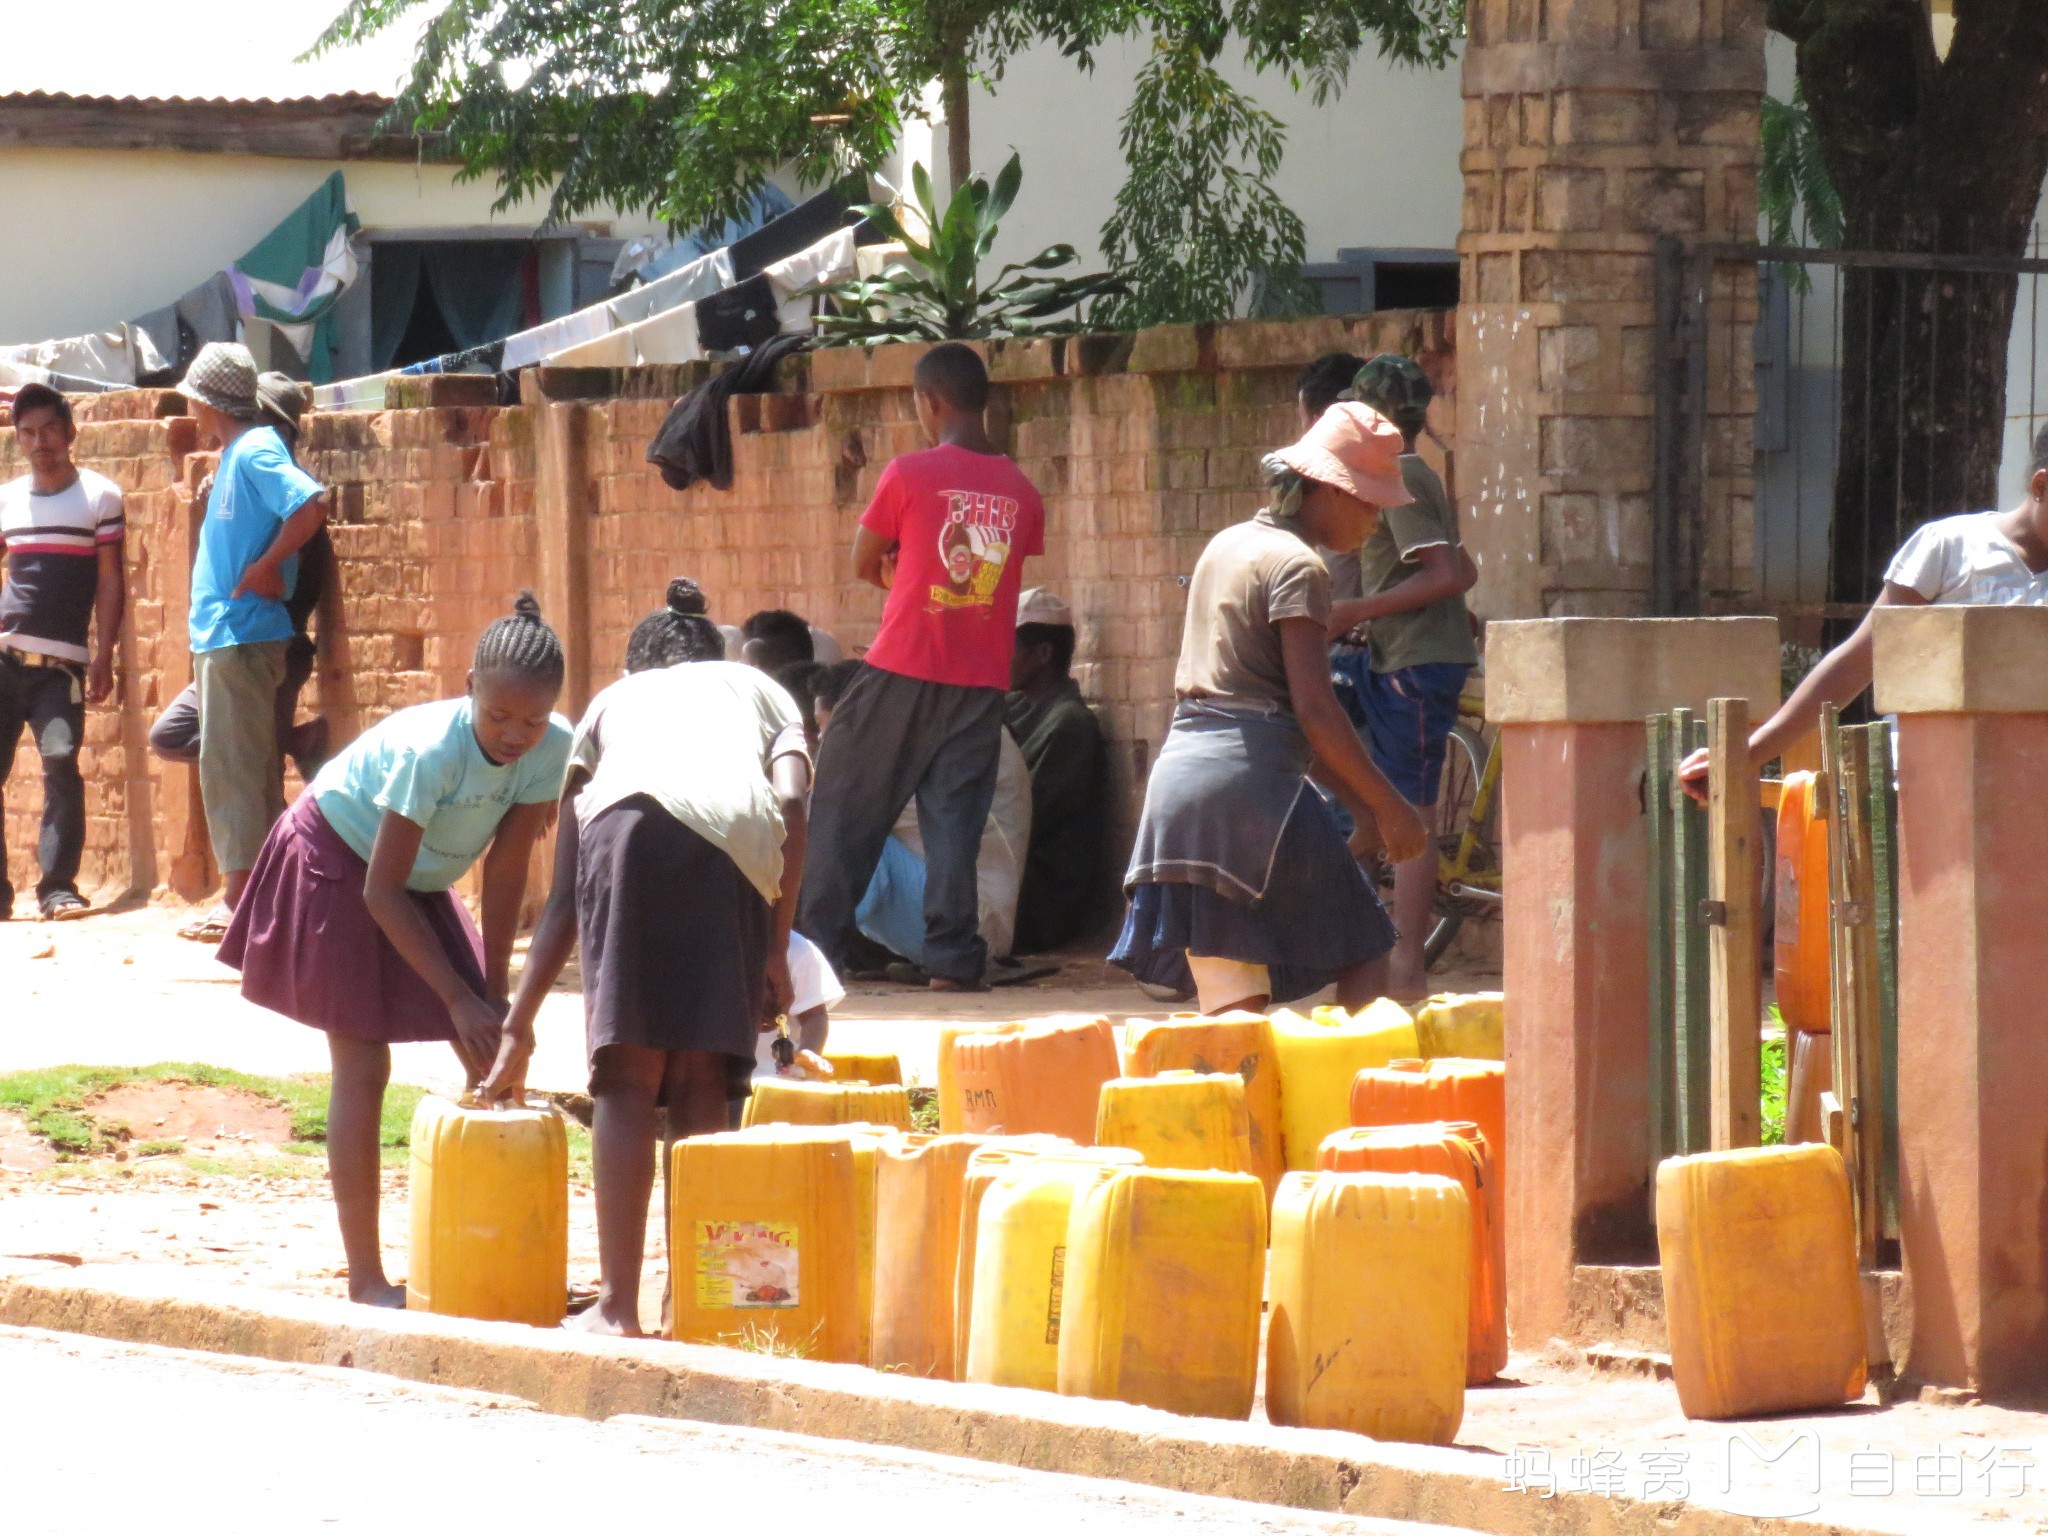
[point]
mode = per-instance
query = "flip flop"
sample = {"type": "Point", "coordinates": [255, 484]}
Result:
{"type": "Point", "coordinates": [63, 907]}
{"type": "Point", "coordinates": [208, 929]}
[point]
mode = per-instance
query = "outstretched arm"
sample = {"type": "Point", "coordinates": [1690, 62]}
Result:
{"type": "Point", "coordinates": [1441, 571]}
{"type": "Point", "coordinates": [554, 940]}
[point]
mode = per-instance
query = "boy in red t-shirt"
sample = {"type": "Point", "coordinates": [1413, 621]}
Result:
{"type": "Point", "coordinates": [946, 536]}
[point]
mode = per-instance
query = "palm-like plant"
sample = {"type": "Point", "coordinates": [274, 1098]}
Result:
{"type": "Point", "coordinates": [937, 293]}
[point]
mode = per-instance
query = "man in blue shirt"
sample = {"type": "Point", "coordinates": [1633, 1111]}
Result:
{"type": "Point", "coordinates": [263, 510]}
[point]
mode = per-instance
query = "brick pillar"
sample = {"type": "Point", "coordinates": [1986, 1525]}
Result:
{"type": "Point", "coordinates": [1592, 128]}
{"type": "Point", "coordinates": [1569, 696]}
{"type": "Point", "coordinates": [1970, 688]}
{"type": "Point", "coordinates": [564, 504]}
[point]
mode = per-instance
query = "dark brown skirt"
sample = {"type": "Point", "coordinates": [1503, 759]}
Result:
{"type": "Point", "coordinates": [675, 939]}
{"type": "Point", "coordinates": [308, 948]}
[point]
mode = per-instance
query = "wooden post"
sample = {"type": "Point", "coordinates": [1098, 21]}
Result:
{"type": "Point", "coordinates": [1733, 973]}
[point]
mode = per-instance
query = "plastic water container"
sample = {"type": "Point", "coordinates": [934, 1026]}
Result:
{"type": "Point", "coordinates": [490, 1213]}
{"type": "Point", "coordinates": [1042, 1079]}
{"type": "Point", "coordinates": [1020, 1260]}
{"type": "Point", "coordinates": [1318, 1059]}
{"type": "Point", "coordinates": [875, 1067]}
{"type": "Point", "coordinates": [788, 1101]}
{"type": "Point", "coordinates": [1455, 1150]}
{"type": "Point", "coordinates": [1472, 1025]}
{"type": "Point", "coordinates": [1449, 1088]}
{"type": "Point", "coordinates": [920, 1184]}
{"type": "Point", "coordinates": [1233, 1042]}
{"type": "Point", "coordinates": [1368, 1287]}
{"type": "Point", "coordinates": [1810, 1072]}
{"type": "Point", "coordinates": [1165, 1271]}
{"type": "Point", "coordinates": [952, 1116]}
{"type": "Point", "coordinates": [1762, 1300]}
{"type": "Point", "coordinates": [1799, 946]}
{"type": "Point", "coordinates": [1178, 1120]}
{"type": "Point", "coordinates": [772, 1233]}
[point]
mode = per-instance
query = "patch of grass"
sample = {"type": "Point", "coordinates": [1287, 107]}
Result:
{"type": "Point", "coordinates": [1774, 1077]}
{"type": "Point", "coordinates": [767, 1339]}
{"type": "Point", "coordinates": [168, 1147]}
{"type": "Point", "coordinates": [579, 1154]}
{"type": "Point", "coordinates": [924, 1110]}
{"type": "Point", "coordinates": [54, 1103]}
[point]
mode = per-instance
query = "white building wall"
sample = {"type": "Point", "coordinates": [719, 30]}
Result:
{"type": "Point", "coordinates": [105, 235]}
{"type": "Point", "coordinates": [1376, 166]}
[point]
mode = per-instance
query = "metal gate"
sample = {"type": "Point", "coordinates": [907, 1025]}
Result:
{"type": "Point", "coordinates": [1850, 395]}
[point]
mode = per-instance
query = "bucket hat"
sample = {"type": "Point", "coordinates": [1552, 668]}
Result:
{"type": "Point", "coordinates": [223, 376]}
{"type": "Point", "coordinates": [1354, 448]}
{"type": "Point", "coordinates": [1397, 388]}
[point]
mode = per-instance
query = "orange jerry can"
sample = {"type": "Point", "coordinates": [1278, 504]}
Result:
{"type": "Point", "coordinates": [1233, 1042]}
{"type": "Point", "coordinates": [1448, 1088]}
{"type": "Point", "coordinates": [1043, 1079]}
{"type": "Point", "coordinates": [1455, 1150]}
{"type": "Point", "coordinates": [1800, 948]}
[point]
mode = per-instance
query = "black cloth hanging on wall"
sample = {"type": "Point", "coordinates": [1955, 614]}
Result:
{"type": "Point", "coordinates": [695, 440]}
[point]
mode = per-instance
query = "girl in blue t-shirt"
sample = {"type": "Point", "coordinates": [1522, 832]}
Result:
{"type": "Point", "coordinates": [349, 923]}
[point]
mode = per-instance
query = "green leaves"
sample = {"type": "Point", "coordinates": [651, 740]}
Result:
{"type": "Point", "coordinates": [1197, 219]}
{"type": "Point", "coordinates": [937, 294]}
{"type": "Point", "coordinates": [1794, 178]}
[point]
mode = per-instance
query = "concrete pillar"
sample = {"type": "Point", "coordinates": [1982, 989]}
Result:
{"type": "Point", "coordinates": [1970, 688]}
{"type": "Point", "coordinates": [1569, 696]}
{"type": "Point", "coordinates": [1592, 129]}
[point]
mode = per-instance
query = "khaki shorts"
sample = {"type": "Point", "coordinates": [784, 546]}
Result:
{"type": "Point", "coordinates": [241, 777]}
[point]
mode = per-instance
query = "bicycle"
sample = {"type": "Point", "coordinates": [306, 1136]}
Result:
{"type": "Point", "coordinates": [1468, 884]}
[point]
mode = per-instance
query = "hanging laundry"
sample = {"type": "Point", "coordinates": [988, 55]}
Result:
{"type": "Point", "coordinates": [294, 275]}
{"type": "Point", "coordinates": [695, 440]}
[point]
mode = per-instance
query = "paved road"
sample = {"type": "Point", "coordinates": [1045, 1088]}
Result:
{"type": "Point", "coordinates": [115, 1437]}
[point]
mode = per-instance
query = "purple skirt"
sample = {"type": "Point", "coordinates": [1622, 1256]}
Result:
{"type": "Point", "coordinates": [308, 948]}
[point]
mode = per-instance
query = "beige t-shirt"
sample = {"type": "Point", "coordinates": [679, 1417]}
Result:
{"type": "Point", "coordinates": [1251, 576]}
{"type": "Point", "coordinates": [699, 739]}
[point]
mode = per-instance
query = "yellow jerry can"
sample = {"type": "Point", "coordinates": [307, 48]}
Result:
{"type": "Point", "coordinates": [1042, 1079]}
{"type": "Point", "coordinates": [789, 1101]}
{"type": "Point", "coordinates": [772, 1233]}
{"type": "Point", "coordinates": [1320, 1056]}
{"type": "Point", "coordinates": [986, 1165]}
{"type": "Point", "coordinates": [490, 1213]}
{"type": "Point", "coordinates": [1467, 1024]}
{"type": "Point", "coordinates": [1165, 1268]}
{"type": "Point", "coordinates": [1762, 1299]}
{"type": "Point", "coordinates": [952, 1116]}
{"type": "Point", "coordinates": [1369, 1293]}
{"type": "Point", "coordinates": [1020, 1255]}
{"type": "Point", "coordinates": [875, 1067]}
{"type": "Point", "coordinates": [1232, 1042]}
{"type": "Point", "coordinates": [1178, 1120]}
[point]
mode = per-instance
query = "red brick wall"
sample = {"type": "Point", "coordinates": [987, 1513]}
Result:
{"type": "Point", "coordinates": [1143, 446]}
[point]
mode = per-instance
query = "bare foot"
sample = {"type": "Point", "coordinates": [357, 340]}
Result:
{"type": "Point", "coordinates": [382, 1294]}
{"type": "Point", "coordinates": [948, 984]}
{"type": "Point", "coordinates": [594, 1321]}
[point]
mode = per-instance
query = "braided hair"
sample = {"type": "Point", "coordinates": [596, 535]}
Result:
{"type": "Point", "coordinates": [522, 643]}
{"type": "Point", "coordinates": [680, 632]}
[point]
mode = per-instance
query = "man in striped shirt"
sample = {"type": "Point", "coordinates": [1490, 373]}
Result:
{"type": "Point", "coordinates": [60, 616]}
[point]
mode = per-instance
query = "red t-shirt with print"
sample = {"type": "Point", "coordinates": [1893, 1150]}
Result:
{"type": "Point", "coordinates": [963, 524]}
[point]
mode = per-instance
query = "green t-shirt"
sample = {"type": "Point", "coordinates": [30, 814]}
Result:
{"type": "Point", "coordinates": [1442, 632]}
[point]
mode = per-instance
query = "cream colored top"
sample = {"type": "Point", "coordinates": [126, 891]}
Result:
{"type": "Point", "coordinates": [698, 738]}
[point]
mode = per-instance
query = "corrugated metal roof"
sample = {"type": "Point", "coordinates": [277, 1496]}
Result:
{"type": "Point", "coordinates": [339, 101]}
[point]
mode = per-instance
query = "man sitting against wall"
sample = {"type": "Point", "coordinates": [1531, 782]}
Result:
{"type": "Point", "coordinates": [60, 618]}
{"type": "Point", "coordinates": [1063, 748]}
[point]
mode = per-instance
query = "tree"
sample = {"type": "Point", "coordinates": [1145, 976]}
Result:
{"type": "Point", "coordinates": [684, 107]}
{"type": "Point", "coordinates": [1925, 153]}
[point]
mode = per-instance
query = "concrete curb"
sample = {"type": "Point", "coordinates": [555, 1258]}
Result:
{"type": "Point", "coordinates": [568, 1373]}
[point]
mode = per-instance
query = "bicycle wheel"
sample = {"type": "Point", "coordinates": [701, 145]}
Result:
{"type": "Point", "coordinates": [1464, 763]}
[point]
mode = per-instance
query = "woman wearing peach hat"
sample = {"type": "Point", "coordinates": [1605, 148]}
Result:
{"type": "Point", "coordinates": [1241, 885]}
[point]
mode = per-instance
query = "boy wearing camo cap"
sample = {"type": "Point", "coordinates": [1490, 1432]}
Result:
{"type": "Point", "coordinates": [1410, 645]}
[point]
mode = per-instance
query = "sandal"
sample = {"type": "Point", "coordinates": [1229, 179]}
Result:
{"type": "Point", "coordinates": [210, 928]}
{"type": "Point", "coordinates": [62, 906]}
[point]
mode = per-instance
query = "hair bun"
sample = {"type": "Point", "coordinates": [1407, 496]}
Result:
{"type": "Point", "coordinates": [527, 606]}
{"type": "Point", "coordinates": [686, 599]}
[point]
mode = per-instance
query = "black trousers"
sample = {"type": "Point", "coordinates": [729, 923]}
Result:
{"type": "Point", "coordinates": [50, 701]}
{"type": "Point", "coordinates": [892, 739]}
